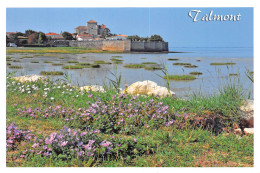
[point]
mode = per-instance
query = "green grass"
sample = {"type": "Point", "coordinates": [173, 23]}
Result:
{"type": "Point", "coordinates": [161, 147]}
{"type": "Point", "coordinates": [198, 60]}
{"type": "Point", "coordinates": [73, 67]}
{"type": "Point", "coordinates": [72, 62]}
{"type": "Point", "coordinates": [61, 57]}
{"type": "Point", "coordinates": [51, 73]}
{"type": "Point", "coordinates": [15, 67]}
{"type": "Point", "coordinates": [179, 63]}
{"type": "Point", "coordinates": [190, 66]}
{"type": "Point", "coordinates": [195, 73]}
{"type": "Point", "coordinates": [57, 64]}
{"type": "Point", "coordinates": [153, 68]}
{"type": "Point", "coordinates": [117, 56]}
{"type": "Point", "coordinates": [9, 57]}
{"type": "Point", "coordinates": [26, 57]}
{"type": "Point", "coordinates": [134, 66]}
{"type": "Point", "coordinates": [83, 64]}
{"type": "Point", "coordinates": [93, 66]}
{"type": "Point", "coordinates": [173, 59]}
{"type": "Point", "coordinates": [101, 62]}
{"type": "Point", "coordinates": [34, 61]}
{"type": "Point", "coordinates": [181, 77]}
{"type": "Point", "coordinates": [8, 63]}
{"type": "Point", "coordinates": [226, 63]}
{"type": "Point", "coordinates": [16, 60]}
{"type": "Point", "coordinates": [55, 50]}
{"type": "Point", "coordinates": [149, 63]}
{"type": "Point", "coordinates": [47, 62]}
{"type": "Point", "coordinates": [115, 59]}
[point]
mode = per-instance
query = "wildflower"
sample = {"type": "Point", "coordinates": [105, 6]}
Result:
{"type": "Point", "coordinates": [90, 95]}
{"type": "Point", "coordinates": [46, 154]}
{"type": "Point", "coordinates": [45, 147]}
{"type": "Point", "coordinates": [15, 105]}
{"type": "Point", "coordinates": [134, 139]}
{"type": "Point", "coordinates": [146, 125]}
{"type": "Point", "coordinates": [63, 143]}
{"type": "Point", "coordinates": [29, 92]}
{"type": "Point", "coordinates": [126, 85]}
{"type": "Point", "coordinates": [52, 98]}
{"type": "Point", "coordinates": [22, 156]}
{"type": "Point", "coordinates": [105, 143]}
{"type": "Point", "coordinates": [35, 145]}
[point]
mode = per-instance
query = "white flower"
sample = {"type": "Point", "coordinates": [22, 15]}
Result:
{"type": "Point", "coordinates": [46, 89]}
{"type": "Point", "coordinates": [70, 89]}
{"type": "Point", "coordinates": [18, 83]}
{"type": "Point", "coordinates": [77, 95]}
{"type": "Point", "coordinates": [29, 92]}
{"type": "Point", "coordinates": [62, 92]}
{"type": "Point", "coordinates": [45, 93]}
{"type": "Point", "coordinates": [13, 82]}
{"type": "Point", "coordinates": [22, 91]}
{"type": "Point", "coordinates": [58, 86]}
{"type": "Point", "coordinates": [52, 98]}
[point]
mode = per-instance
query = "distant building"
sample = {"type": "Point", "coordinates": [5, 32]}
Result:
{"type": "Point", "coordinates": [91, 28]}
{"type": "Point", "coordinates": [54, 35]}
{"type": "Point", "coordinates": [8, 33]}
{"type": "Point", "coordinates": [82, 37]}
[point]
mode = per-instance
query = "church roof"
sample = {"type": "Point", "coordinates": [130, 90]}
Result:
{"type": "Point", "coordinates": [92, 21]}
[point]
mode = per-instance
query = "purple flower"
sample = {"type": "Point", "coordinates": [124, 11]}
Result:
{"type": "Point", "coordinates": [146, 125]}
{"type": "Point", "coordinates": [48, 141]}
{"type": "Point", "coordinates": [22, 156]}
{"type": "Point", "coordinates": [35, 145]}
{"type": "Point", "coordinates": [45, 147]}
{"type": "Point", "coordinates": [63, 143]}
{"type": "Point", "coordinates": [90, 95]}
{"type": "Point", "coordinates": [134, 139]}
{"type": "Point", "coordinates": [105, 143]}
{"type": "Point", "coordinates": [10, 141]}
{"type": "Point", "coordinates": [46, 154]}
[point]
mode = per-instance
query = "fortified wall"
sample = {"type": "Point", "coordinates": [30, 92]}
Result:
{"type": "Point", "coordinates": [120, 45]}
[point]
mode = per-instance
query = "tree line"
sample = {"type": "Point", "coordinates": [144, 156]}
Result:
{"type": "Point", "coordinates": [152, 38]}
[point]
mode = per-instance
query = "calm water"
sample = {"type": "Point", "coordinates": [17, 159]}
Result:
{"type": "Point", "coordinates": [213, 78]}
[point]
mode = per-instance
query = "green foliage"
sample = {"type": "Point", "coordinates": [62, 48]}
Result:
{"type": "Point", "coordinates": [227, 63]}
{"type": "Point", "coordinates": [134, 66]}
{"type": "Point", "coordinates": [180, 77]}
{"type": "Point", "coordinates": [51, 73]}
{"type": "Point", "coordinates": [67, 36]}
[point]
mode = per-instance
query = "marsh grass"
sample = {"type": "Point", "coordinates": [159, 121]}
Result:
{"type": "Point", "coordinates": [115, 56]}
{"type": "Point", "coordinates": [153, 68]}
{"type": "Point", "coordinates": [179, 63]}
{"type": "Point", "coordinates": [16, 60]}
{"type": "Point", "coordinates": [8, 63]}
{"type": "Point", "coordinates": [47, 62]}
{"type": "Point", "coordinates": [57, 64]}
{"type": "Point", "coordinates": [134, 66]}
{"type": "Point", "coordinates": [15, 67]}
{"type": "Point", "coordinates": [181, 77]}
{"type": "Point", "coordinates": [72, 62]}
{"type": "Point", "coordinates": [198, 60]}
{"type": "Point", "coordinates": [9, 57]}
{"type": "Point", "coordinates": [149, 63]}
{"type": "Point", "coordinates": [51, 73]}
{"type": "Point", "coordinates": [190, 66]}
{"type": "Point", "coordinates": [83, 64]}
{"type": "Point", "coordinates": [173, 59]}
{"type": "Point", "coordinates": [26, 57]}
{"type": "Point", "coordinates": [195, 73]}
{"type": "Point", "coordinates": [34, 61]}
{"type": "Point", "coordinates": [101, 62]}
{"type": "Point", "coordinates": [73, 67]}
{"type": "Point", "coordinates": [61, 57]}
{"type": "Point", "coordinates": [227, 63]}
{"type": "Point", "coordinates": [115, 59]}
{"type": "Point", "coordinates": [83, 57]}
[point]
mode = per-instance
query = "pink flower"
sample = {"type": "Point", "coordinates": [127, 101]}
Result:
{"type": "Point", "coordinates": [105, 143]}
{"type": "Point", "coordinates": [134, 139]}
{"type": "Point", "coordinates": [22, 156]}
{"type": "Point", "coordinates": [35, 145]}
{"type": "Point", "coordinates": [63, 143]}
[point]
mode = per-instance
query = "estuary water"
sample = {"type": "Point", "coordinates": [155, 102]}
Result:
{"type": "Point", "coordinates": [213, 79]}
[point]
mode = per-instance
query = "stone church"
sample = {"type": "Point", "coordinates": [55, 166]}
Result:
{"type": "Point", "coordinates": [92, 29]}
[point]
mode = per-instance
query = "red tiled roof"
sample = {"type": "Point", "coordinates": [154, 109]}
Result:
{"type": "Point", "coordinates": [10, 32]}
{"type": "Point", "coordinates": [103, 26]}
{"type": "Point", "coordinates": [122, 35]}
{"type": "Point", "coordinates": [82, 27]}
{"type": "Point", "coordinates": [52, 33]}
{"type": "Point", "coordinates": [92, 21]}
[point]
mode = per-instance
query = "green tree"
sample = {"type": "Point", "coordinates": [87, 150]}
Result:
{"type": "Point", "coordinates": [13, 38]}
{"type": "Point", "coordinates": [134, 38]}
{"type": "Point", "coordinates": [67, 36]}
{"type": "Point", "coordinates": [41, 37]}
{"type": "Point", "coordinates": [29, 32]}
{"type": "Point", "coordinates": [156, 38]}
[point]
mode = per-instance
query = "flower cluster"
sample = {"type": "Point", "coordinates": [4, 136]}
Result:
{"type": "Point", "coordinates": [117, 116]}
{"type": "Point", "coordinates": [14, 136]}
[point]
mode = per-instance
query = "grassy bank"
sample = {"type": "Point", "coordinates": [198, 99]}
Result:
{"type": "Point", "coordinates": [117, 130]}
{"type": "Point", "coordinates": [65, 50]}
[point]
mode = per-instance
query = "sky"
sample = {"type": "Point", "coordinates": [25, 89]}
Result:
{"type": "Point", "coordinates": [173, 24]}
